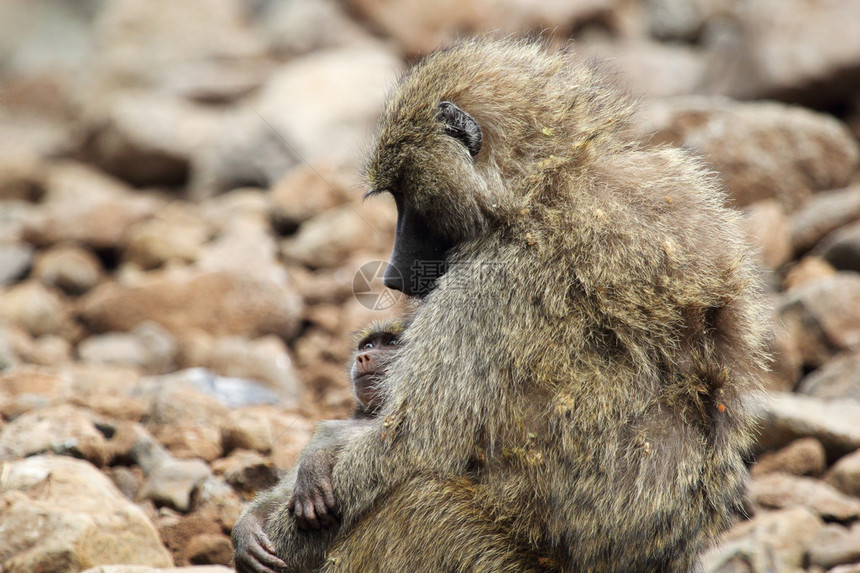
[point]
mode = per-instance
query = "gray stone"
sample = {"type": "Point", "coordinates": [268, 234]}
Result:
{"type": "Point", "coordinates": [763, 150]}
{"type": "Point", "coordinates": [842, 248]}
{"type": "Point", "coordinates": [838, 378]}
{"type": "Point", "coordinates": [770, 541]}
{"type": "Point", "coordinates": [172, 482]}
{"type": "Point", "coordinates": [823, 213]}
{"type": "Point", "coordinates": [845, 474]}
{"type": "Point", "coordinates": [61, 429]}
{"type": "Point", "coordinates": [73, 269]}
{"type": "Point", "coordinates": [835, 545]}
{"type": "Point", "coordinates": [148, 347]}
{"type": "Point", "coordinates": [803, 457]}
{"type": "Point", "coordinates": [797, 50]}
{"type": "Point", "coordinates": [63, 515]}
{"type": "Point", "coordinates": [34, 307]}
{"type": "Point", "coordinates": [787, 417]}
{"type": "Point", "coordinates": [15, 260]}
{"type": "Point", "coordinates": [779, 490]}
{"type": "Point", "coordinates": [823, 316]}
{"type": "Point", "coordinates": [187, 301]}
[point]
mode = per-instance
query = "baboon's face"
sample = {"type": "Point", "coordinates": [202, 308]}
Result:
{"type": "Point", "coordinates": [429, 170]}
{"type": "Point", "coordinates": [373, 353]}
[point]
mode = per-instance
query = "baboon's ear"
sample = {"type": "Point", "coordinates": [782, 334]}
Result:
{"type": "Point", "coordinates": [460, 125]}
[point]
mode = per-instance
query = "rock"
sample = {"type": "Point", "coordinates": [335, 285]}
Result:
{"type": "Point", "coordinates": [148, 347]}
{"type": "Point", "coordinates": [767, 227]}
{"type": "Point", "coordinates": [418, 27]}
{"type": "Point", "coordinates": [134, 445]}
{"type": "Point", "coordinates": [172, 483]}
{"type": "Point", "coordinates": [854, 568]}
{"type": "Point", "coordinates": [803, 457]}
{"type": "Point", "coordinates": [304, 192]}
{"type": "Point", "coordinates": [332, 98]}
{"type": "Point", "coordinates": [178, 530]}
{"type": "Point", "coordinates": [61, 514]}
{"type": "Point", "coordinates": [807, 269]}
{"type": "Point", "coordinates": [845, 474]}
{"type": "Point", "coordinates": [842, 248]}
{"type": "Point", "coordinates": [73, 269]}
{"type": "Point", "coordinates": [265, 359]}
{"type": "Point", "coordinates": [15, 261]}
{"type": "Point", "coordinates": [653, 70]}
{"type": "Point", "coordinates": [141, 569]}
{"type": "Point", "coordinates": [200, 385]}
{"type": "Point", "coordinates": [34, 307]}
{"type": "Point", "coordinates": [29, 131]}
{"type": "Point", "coordinates": [835, 545]}
{"type": "Point", "coordinates": [763, 150]}
{"type": "Point", "coordinates": [248, 249]}
{"type": "Point", "coordinates": [247, 471]}
{"type": "Point", "coordinates": [798, 51]}
{"type": "Point", "coordinates": [85, 206]}
{"type": "Point", "coordinates": [192, 439]}
{"type": "Point", "coordinates": [108, 390]}
{"type": "Point", "coordinates": [248, 428]}
{"type": "Point", "coordinates": [329, 239]}
{"type": "Point", "coordinates": [217, 502]}
{"type": "Point", "coordinates": [20, 177]}
{"type": "Point", "coordinates": [770, 541]}
{"type": "Point", "coordinates": [175, 234]}
{"type": "Point", "coordinates": [61, 429]}
{"type": "Point", "coordinates": [48, 350]}
{"type": "Point", "coordinates": [210, 549]}
{"type": "Point", "coordinates": [126, 480]}
{"type": "Point", "coordinates": [779, 490]}
{"type": "Point", "coordinates": [218, 303]}
{"type": "Point", "coordinates": [681, 19]}
{"type": "Point", "coordinates": [248, 151]}
{"type": "Point", "coordinates": [147, 138]}
{"type": "Point", "coordinates": [787, 417]}
{"type": "Point", "coordinates": [144, 43]}
{"type": "Point", "coordinates": [301, 26]}
{"type": "Point", "coordinates": [823, 316]}
{"type": "Point", "coordinates": [838, 378]}
{"type": "Point", "coordinates": [26, 387]}
{"type": "Point", "coordinates": [823, 213]}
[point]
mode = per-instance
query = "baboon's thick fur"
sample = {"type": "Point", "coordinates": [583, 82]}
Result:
{"type": "Point", "coordinates": [575, 393]}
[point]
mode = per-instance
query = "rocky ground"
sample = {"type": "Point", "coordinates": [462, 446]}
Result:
{"type": "Point", "coordinates": [181, 225]}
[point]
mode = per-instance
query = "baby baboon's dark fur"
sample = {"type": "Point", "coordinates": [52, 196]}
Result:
{"type": "Point", "coordinates": [577, 386]}
{"type": "Point", "coordinates": [306, 489]}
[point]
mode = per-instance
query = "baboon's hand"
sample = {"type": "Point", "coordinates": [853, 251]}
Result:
{"type": "Point", "coordinates": [313, 503]}
{"type": "Point", "coordinates": [254, 550]}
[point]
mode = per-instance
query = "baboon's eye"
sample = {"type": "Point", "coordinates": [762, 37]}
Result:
{"type": "Point", "coordinates": [367, 346]}
{"type": "Point", "coordinates": [460, 125]}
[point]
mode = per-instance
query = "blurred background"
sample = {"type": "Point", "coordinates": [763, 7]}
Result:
{"type": "Point", "coordinates": [184, 252]}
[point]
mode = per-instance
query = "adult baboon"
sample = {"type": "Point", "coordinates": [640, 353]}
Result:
{"type": "Point", "coordinates": [306, 490]}
{"type": "Point", "coordinates": [573, 391]}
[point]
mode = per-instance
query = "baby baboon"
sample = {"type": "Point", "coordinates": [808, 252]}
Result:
{"type": "Point", "coordinates": [574, 389]}
{"type": "Point", "coordinates": [307, 490]}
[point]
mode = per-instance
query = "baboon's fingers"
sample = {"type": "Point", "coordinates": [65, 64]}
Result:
{"type": "Point", "coordinates": [264, 561]}
{"type": "Point", "coordinates": [328, 494]}
{"type": "Point", "coordinates": [298, 513]}
{"type": "Point", "coordinates": [263, 542]}
{"type": "Point", "coordinates": [310, 515]}
{"type": "Point", "coordinates": [322, 511]}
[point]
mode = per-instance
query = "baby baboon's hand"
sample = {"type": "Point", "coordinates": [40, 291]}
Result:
{"type": "Point", "coordinates": [313, 503]}
{"type": "Point", "coordinates": [254, 550]}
